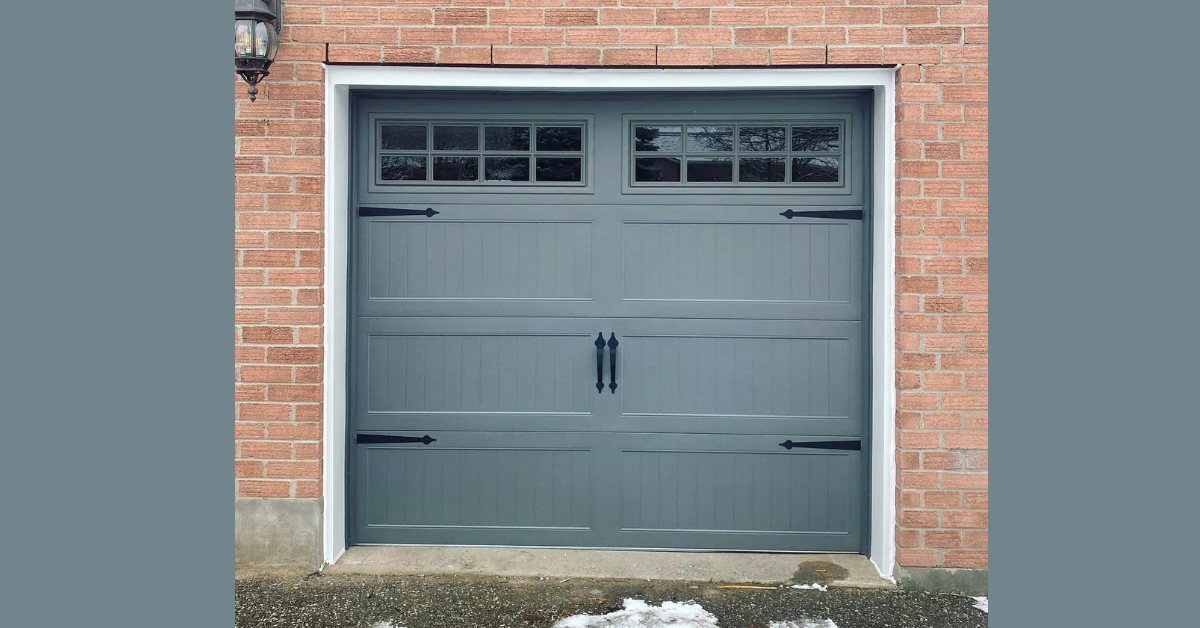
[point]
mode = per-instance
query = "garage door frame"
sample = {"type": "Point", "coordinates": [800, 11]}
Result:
{"type": "Point", "coordinates": [341, 80]}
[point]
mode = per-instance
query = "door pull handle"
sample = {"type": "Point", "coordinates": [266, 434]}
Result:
{"type": "Point", "coordinates": [612, 361]}
{"type": "Point", "coordinates": [600, 362]}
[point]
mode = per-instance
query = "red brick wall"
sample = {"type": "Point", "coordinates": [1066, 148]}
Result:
{"type": "Point", "coordinates": [941, 240]}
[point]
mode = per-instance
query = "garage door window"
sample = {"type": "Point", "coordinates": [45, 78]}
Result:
{"type": "Point", "coordinates": [480, 154]}
{"type": "Point", "coordinates": [757, 154]}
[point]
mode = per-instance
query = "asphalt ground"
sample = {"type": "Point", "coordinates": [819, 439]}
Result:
{"type": "Point", "coordinates": [267, 600]}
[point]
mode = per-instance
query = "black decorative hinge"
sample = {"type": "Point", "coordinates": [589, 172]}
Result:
{"type": "Point", "coordinates": [848, 214]}
{"type": "Point", "coordinates": [850, 445]}
{"type": "Point", "coordinates": [386, 438]}
{"type": "Point", "coordinates": [428, 212]}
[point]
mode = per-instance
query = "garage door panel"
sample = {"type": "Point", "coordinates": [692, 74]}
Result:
{"type": "Point", "coordinates": [802, 262]}
{"type": "Point", "coordinates": [731, 376]}
{"type": "Point", "coordinates": [477, 487]}
{"type": "Point", "coordinates": [443, 260]}
{"type": "Point", "coordinates": [528, 373]}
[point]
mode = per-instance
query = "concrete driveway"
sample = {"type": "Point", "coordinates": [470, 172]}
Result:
{"type": "Point", "coordinates": [276, 599]}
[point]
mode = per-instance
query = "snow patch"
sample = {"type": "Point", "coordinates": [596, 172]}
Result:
{"type": "Point", "coordinates": [818, 587]}
{"type": "Point", "coordinates": [638, 614]}
{"type": "Point", "coordinates": [385, 624]}
{"type": "Point", "coordinates": [981, 603]}
{"type": "Point", "coordinates": [808, 623]}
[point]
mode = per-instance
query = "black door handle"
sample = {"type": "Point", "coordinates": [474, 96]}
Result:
{"type": "Point", "coordinates": [600, 362]}
{"type": "Point", "coordinates": [612, 361]}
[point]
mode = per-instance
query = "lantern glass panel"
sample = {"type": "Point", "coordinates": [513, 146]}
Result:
{"type": "Point", "coordinates": [243, 38]}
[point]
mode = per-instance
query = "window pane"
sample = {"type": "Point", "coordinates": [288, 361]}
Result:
{"type": "Point", "coordinates": [560, 138]}
{"type": "Point", "coordinates": [455, 138]}
{"type": "Point", "coordinates": [662, 139]}
{"type": "Point", "coordinates": [709, 139]}
{"type": "Point", "coordinates": [559, 169]}
{"type": "Point", "coordinates": [455, 168]}
{"type": "Point", "coordinates": [814, 170]}
{"type": "Point", "coordinates": [761, 170]}
{"type": "Point", "coordinates": [403, 168]}
{"type": "Point", "coordinates": [656, 169]}
{"type": "Point", "coordinates": [762, 138]}
{"type": "Point", "coordinates": [406, 137]}
{"type": "Point", "coordinates": [707, 170]}
{"type": "Point", "coordinates": [815, 138]}
{"type": "Point", "coordinates": [506, 168]}
{"type": "Point", "coordinates": [506, 138]}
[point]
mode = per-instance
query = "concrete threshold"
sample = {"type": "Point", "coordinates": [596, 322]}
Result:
{"type": "Point", "coordinates": [844, 570]}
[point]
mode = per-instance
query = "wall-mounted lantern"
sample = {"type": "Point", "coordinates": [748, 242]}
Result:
{"type": "Point", "coordinates": [257, 29]}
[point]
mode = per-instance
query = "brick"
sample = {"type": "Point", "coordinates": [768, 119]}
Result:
{"type": "Point", "coordinates": [426, 35]}
{"type": "Point", "coordinates": [759, 36]}
{"type": "Point", "coordinates": [409, 54]}
{"type": "Point", "coordinates": [487, 35]}
{"type": "Point", "coordinates": [294, 355]}
{"type": "Point", "coordinates": [631, 17]}
{"type": "Point", "coordinates": [628, 56]}
{"type": "Point", "coordinates": [733, 17]}
{"type": "Point", "coordinates": [265, 411]}
{"type": "Point", "coordinates": [910, 15]}
{"type": "Point", "coordinates": [572, 17]}
{"type": "Point", "coordinates": [965, 480]}
{"type": "Point", "coordinates": [965, 519]}
{"type": "Point", "coordinates": [933, 35]}
{"type": "Point", "coordinates": [839, 15]}
{"type": "Point", "coordinates": [943, 538]}
{"type": "Point", "coordinates": [876, 35]}
{"type": "Point", "coordinates": [818, 35]}
{"type": "Point", "coordinates": [576, 57]}
{"type": "Point", "coordinates": [918, 519]}
{"type": "Point", "coordinates": [974, 53]}
{"type": "Point", "coordinates": [976, 538]}
{"type": "Point", "coordinates": [654, 36]}
{"type": "Point", "coordinates": [964, 15]}
{"type": "Point", "coordinates": [263, 488]}
{"type": "Point", "coordinates": [685, 56]}
{"type": "Point", "coordinates": [296, 392]}
{"type": "Point", "coordinates": [371, 35]}
{"type": "Point", "coordinates": [293, 469]}
{"type": "Point", "coordinates": [682, 17]}
{"type": "Point", "coordinates": [968, 440]}
{"type": "Point", "coordinates": [536, 36]}
{"type": "Point", "coordinates": [855, 55]}
{"type": "Point", "coordinates": [593, 36]}
{"type": "Point", "coordinates": [812, 55]}
{"type": "Point", "coordinates": [462, 17]}
{"type": "Point", "coordinates": [294, 431]}
{"type": "Point", "coordinates": [793, 16]}
{"type": "Point", "coordinates": [464, 55]}
{"type": "Point", "coordinates": [265, 450]}
{"type": "Point", "coordinates": [248, 430]}
{"type": "Point", "coordinates": [966, 558]}
{"type": "Point", "coordinates": [739, 56]}
{"type": "Point", "coordinates": [916, 557]}
{"type": "Point", "coordinates": [703, 35]}
{"type": "Point", "coordinates": [405, 17]}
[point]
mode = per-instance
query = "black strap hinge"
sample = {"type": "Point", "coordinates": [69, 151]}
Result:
{"type": "Point", "coordinates": [365, 212]}
{"type": "Point", "coordinates": [848, 445]}
{"type": "Point", "coordinates": [845, 214]}
{"type": "Point", "coordinates": [364, 439]}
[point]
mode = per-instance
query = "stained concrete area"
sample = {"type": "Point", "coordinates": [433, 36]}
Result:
{"type": "Point", "coordinates": [270, 532]}
{"type": "Point", "coordinates": [844, 570]}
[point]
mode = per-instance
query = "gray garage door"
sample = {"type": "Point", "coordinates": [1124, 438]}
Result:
{"type": "Point", "coordinates": [610, 321]}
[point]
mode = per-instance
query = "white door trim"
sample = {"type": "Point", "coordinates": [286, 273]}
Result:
{"type": "Point", "coordinates": [339, 80]}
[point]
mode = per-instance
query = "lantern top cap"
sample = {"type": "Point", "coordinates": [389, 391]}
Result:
{"type": "Point", "coordinates": [254, 9]}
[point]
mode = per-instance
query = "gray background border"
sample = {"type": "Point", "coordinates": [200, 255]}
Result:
{"type": "Point", "coordinates": [115, 376]}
